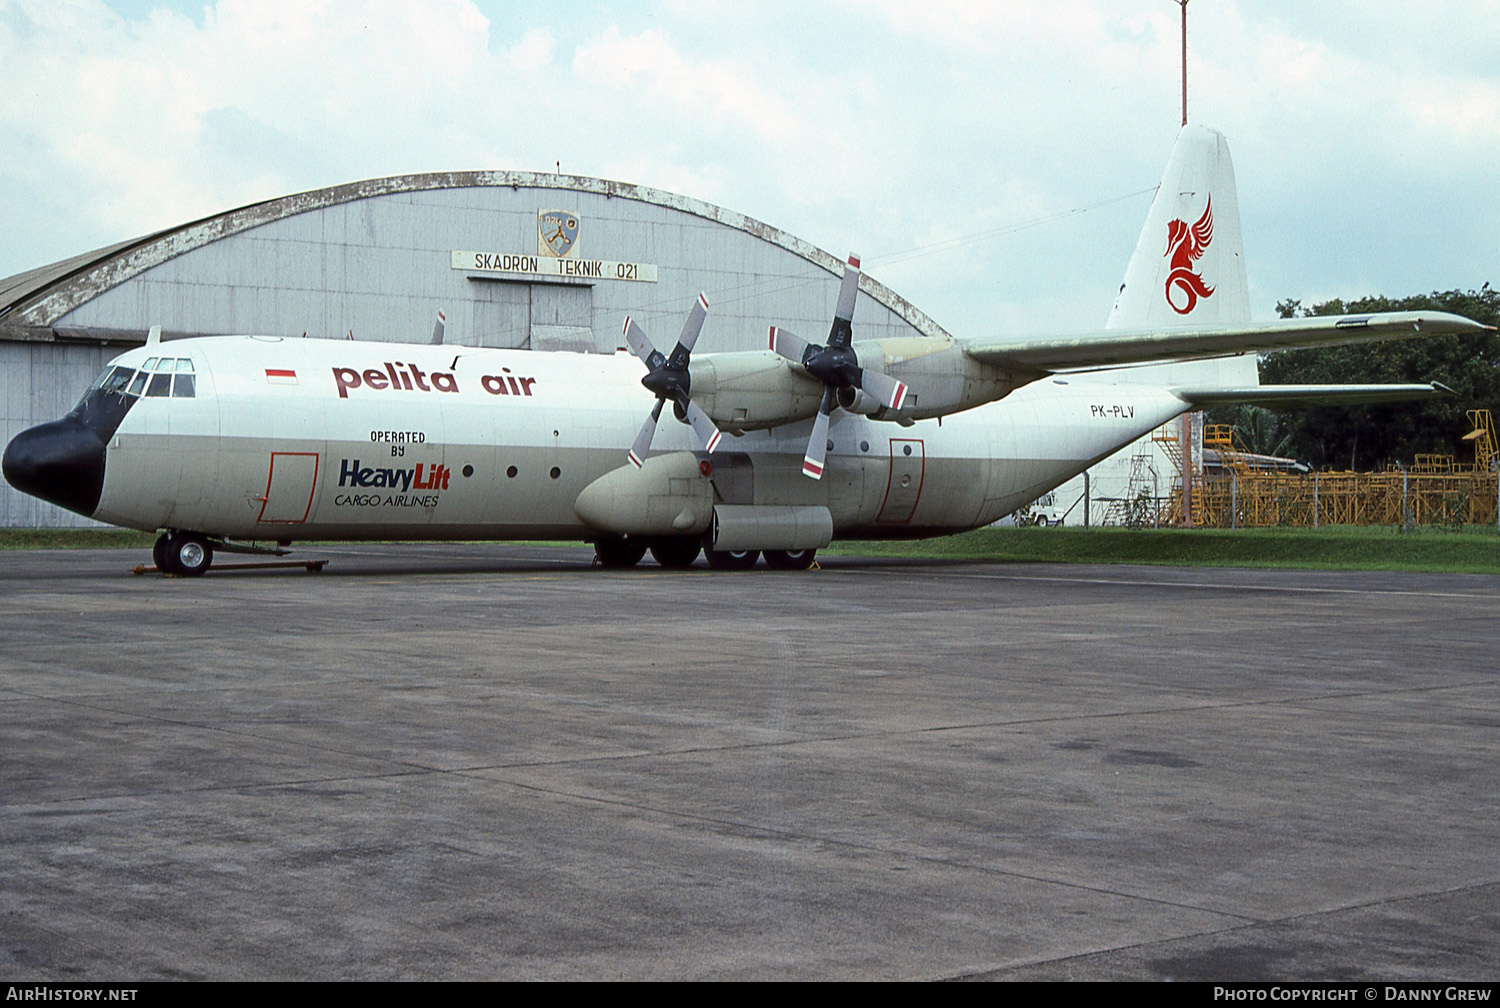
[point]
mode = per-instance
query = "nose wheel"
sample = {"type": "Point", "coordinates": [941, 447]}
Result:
{"type": "Point", "coordinates": [185, 554]}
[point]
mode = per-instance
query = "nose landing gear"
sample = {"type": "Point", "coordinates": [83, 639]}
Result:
{"type": "Point", "coordinates": [185, 554]}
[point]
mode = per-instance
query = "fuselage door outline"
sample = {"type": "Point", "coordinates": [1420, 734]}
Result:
{"type": "Point", "coordinates": [289, 488]}
{"type": "Point", "coordinates": [904, 489]}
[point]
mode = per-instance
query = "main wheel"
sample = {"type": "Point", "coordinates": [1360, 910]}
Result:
{"type": "Point", "coordinates": [159, 552]}
{"type": "Point", "coordinates": [790, 559]}
{"type": "Point", "coordinates": [732, 559]}
{"type": "Point", "coordinates": [185, 554]}
{"type": "Point", "coordinates": [614, 551]}
{"type": "Point", "coordinates": [675, 553]}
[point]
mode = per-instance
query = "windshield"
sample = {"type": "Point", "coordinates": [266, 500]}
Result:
{"type": "Point", "coordinates": [158, 377]}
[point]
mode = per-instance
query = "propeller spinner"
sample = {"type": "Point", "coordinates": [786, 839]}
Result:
{"type": "Point", "coordinates": [668, 378]}
{"type": "Point", "coordinates": [836, 365]}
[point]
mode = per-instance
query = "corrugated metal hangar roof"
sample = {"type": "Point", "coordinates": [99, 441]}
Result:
{"type": "Point", "coordinates": [82, 297]}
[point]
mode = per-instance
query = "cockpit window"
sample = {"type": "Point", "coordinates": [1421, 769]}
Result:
{"type": "Point", "coordinates": [161, 377]}
{"type": "Point", "coordinates": [117, 379]}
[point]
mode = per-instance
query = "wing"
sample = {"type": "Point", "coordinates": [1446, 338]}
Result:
{"type": "Point", "coordinates": [1116, 347]}
{"type": "Point", "coordinates": [1297, 396]}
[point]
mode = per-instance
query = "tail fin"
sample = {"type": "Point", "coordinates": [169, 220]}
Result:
{"type": "Point", "coordinates": [1189, 264]}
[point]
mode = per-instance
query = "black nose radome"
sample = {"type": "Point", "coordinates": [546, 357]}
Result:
{"type": "Point", "coordinates": [61, 462]}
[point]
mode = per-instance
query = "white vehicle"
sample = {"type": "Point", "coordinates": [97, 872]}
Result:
{"type": "Point", "coordinates": [222, 441]}
{"type": "Point", "coordinates": [1043, 512]}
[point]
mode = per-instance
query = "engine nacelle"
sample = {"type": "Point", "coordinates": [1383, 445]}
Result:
{"type": "Point", "coordinates": [755, 390]}
{"type": "Point", "coordinates": [858, 401]}
{"type": "Point", "coordinates": [942, 379]}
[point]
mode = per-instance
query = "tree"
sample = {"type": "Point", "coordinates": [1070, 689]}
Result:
{"type": "Point", "coordinates": [1259, 431]}
{"type": "Point", "coordinates": [1366, 437]}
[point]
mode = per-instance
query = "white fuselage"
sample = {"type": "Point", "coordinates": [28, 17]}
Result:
{"type": "Point", "coordinates": [294, 439]}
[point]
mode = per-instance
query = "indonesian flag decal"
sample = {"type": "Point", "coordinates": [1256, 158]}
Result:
{"type": "Point", "coordinates": [281, 376]}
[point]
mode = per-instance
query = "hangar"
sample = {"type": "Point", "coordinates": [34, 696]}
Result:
{"type": "Point", "coordinates": [512, 259]}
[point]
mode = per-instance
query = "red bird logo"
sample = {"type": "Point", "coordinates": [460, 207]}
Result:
{"type": "Point", "coordinates": [1184, 246]}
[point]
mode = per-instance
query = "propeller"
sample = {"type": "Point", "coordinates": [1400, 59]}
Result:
{"type": "Point", "coordinates": [668, 378]}
{"type": "Point", "coordinates": [439, 327]}
{"type": "Point", "coordinates": [836, 365]}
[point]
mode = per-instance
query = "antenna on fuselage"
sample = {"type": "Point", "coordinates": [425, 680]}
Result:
{"type": "Point", "coordinates": [153, 335]}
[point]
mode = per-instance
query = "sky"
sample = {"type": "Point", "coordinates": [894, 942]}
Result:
{"type": "Point", "coordinates": [991, 160]}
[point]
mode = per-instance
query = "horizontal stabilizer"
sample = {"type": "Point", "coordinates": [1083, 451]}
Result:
{"type": "Point", "coordinates": [1113, 347]}
{"type": "Point", "coordinates": [1298, 396]}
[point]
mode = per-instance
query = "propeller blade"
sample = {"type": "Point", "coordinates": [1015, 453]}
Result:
{"type": "Point", "coordinates": [438, 327]}
{"type": "Point", "coordinates": [836, 365]}
{"type": "Point", "coordinates": [690, 330]}
{"type": "Point", "coordinates": [668, 378]}
{"type": "Point", "coordinates": [702, 426]}
{"type": "Point", "coordinates": [883, 387]}
{"type": "Point", "coordinates": [842, 330]}
{"type": "Point", "coordinates": [644, 438]}
{"type": "Point", "coordinates": [817, 445]}
{"type": "Point", "coordinates": [640, 344]}
{"type": "Point", "coordinates": [788, 345]}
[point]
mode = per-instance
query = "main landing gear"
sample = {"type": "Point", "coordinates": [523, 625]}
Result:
{"type": "Point", "coordinates": [790, 560]}
{"type": "Point", "coordinates": [732, 559]}
{"type": "Point", "coordinates": [676, 554]}
{"type": "Point", "coordinates": [617, 551]}
{"type": "Point", "coordinates": [679, 553]}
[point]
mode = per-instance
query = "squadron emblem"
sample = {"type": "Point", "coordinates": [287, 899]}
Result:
{"type": "Point", "coordinates": [557, 232]}
{"type": "Point", "coordinates": [1184, 246]}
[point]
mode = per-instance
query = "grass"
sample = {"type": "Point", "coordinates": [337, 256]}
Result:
{"type": "Point", "coordinates": [1466, 550]}
{"type": "Point", "coordinates": [90, 538]}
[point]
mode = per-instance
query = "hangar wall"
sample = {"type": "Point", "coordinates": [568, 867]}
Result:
{"type": "Point", "coordinates": [381, 258]}
{"type": "Point", "coordinates": [40, 381]}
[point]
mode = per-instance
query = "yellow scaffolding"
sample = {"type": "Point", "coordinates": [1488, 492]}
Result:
{"type": "Point", "coordinates": [1435, 490]}
{"type": "Point", "coordinates": [1169, 438]}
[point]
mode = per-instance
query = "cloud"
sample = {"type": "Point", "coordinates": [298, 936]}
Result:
{"type": "Point", "coordinates": [925, 134]}
{"type": "Point", "coordinates": [161, 119]}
